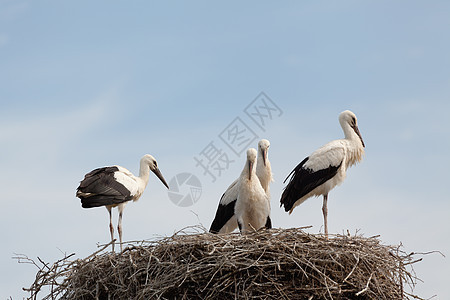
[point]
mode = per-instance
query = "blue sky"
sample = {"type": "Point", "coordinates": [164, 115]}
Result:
{"type": "Point", "coordinates": [84, 85]}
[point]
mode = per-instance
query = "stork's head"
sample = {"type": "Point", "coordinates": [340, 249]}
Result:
{"type": "Point", "coordinates": [347, 119]}
{"type": "Point", "coordinates": [251, 159]}
{"type": "Point", "coordinates": [153, 165]}
{"type": "Point", "coordinates": [263, 148]}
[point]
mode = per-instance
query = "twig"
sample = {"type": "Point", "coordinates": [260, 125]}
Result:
{"type": "Point", "coordinates": [366, 288]}
{"type": "Point", "coordinates": [353, 269]}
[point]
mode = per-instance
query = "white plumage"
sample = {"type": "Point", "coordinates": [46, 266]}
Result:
{"type": "Point", "coordinates": [263, 167]}
{"type": "Point", "coordinates": [114, 187]}
{"type": "Point", "coordinates": [225, 219]}
{"type": "Point", "coordinates": [325, 168]}
{"type": "Point", "coordinates": [252, 206]}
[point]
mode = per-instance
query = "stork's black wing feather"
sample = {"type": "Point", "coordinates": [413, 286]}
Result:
{"type": "Point", "coordinates": [268, 223]}
{"type": "Point", "coordinates": [100, 188]}
{"type": "Point", "coordinates": [303, 181]}
{"type": "Point", "coordinates": [223, 214]}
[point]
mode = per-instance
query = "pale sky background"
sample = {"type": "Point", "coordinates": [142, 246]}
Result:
{"type": "Point", "coordinates": [88, 84]}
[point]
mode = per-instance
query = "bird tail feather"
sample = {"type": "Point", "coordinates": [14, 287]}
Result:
{"type": "Point", "coordinates": [97, 201]}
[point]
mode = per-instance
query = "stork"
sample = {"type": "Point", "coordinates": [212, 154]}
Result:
{"type": "Point", "coordinates": [114, 186]}
{"type": "Point", "coordinates": [325, 168]}
{"type": "Point", "coordinates": [225, 219]}
{"type": "Point", "coordinates": [263, 167]}
{"type": "Point", "coordinates": [252, 208]}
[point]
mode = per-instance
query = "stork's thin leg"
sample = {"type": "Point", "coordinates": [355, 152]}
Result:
{"type": "Point", "coordinates": [119, 227]}
{"type": "Point", "coordinates": [325, 214]}
{"type": "Point", "coordinates": [111, 228]}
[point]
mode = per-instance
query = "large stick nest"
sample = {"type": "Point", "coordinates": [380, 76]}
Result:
{"type": "Point", "coordinates": [268, 264]}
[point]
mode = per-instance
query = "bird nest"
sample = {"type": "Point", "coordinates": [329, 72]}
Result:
{"type": "Point", "coordinates": [266, 264]}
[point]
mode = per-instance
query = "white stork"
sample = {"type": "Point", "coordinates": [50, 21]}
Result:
{"type": "Point", "coordinates": [263, 167]}
{"type": "Point", "coordinates": [115, 186]}
{"type": "Point", "coordinates": [252, 208]}
{"type": "Point", "coordinates": [325, 168]}
{"type": "Point", "coordinates": [225, 220]}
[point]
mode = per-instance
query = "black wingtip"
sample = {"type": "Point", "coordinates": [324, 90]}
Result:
{"type": "Point", "coordinates": [286, 207]}
{"type": "Point", "coordinates": [268, 223]}
{"type": "Point", "coordinates": [223, 214]}
{"type": "Point", "coordinates": [285, 199]}
{"type": "Point", "coordinates": [98, 201]}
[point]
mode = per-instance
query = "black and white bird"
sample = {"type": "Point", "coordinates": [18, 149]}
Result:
{"type": "Point", "coordinates": [325, 168]}
{"type": "Point", "coordinates": [252, 205]}
{"type": "Point", "coordinates": [114, 187]}
{"type": "Point", "coordinates": [225, 219]}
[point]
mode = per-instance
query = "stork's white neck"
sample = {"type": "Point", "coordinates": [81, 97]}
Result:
{"type": "Point", "coordinates": [349, 133]}
{"type": "Point", "coordinates": [355, 149]}
{"type": "Point", "coordinates": [247, 171]}
{"type": "Point", "coordinates": [264, 172]}
{"type": "Point", "coordinates": [144, 171]}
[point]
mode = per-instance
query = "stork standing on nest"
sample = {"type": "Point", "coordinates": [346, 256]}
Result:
{"type": "Point", "coordinates": [325, 168]}
{"type": "Point", "coordinates": [225, 220]}
{"type": "Point", "coordinates": [252, 205]}
{"type": "Point", "coordinates": [114, 187]}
